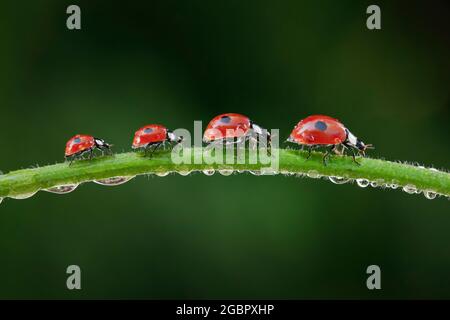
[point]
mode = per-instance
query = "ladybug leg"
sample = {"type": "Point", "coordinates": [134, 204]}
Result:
{"type": "Point", "coordinates": [309, 152]}
{"type": "Point", "coordinates": [354, 157]}
{"type": "Point", "coordinates": [157, 145]}
{"type": "Point", "coordinates": [91, 154]}
{"type": "Point", "coordinates": [328, 154]}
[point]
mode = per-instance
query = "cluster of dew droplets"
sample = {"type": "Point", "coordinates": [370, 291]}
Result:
{"type": "Point", "coordinates": [114, 181]}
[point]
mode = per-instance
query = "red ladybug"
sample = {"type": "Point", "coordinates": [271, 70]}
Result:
{"type": "Point", "coordinates": [320, 130]}
{"type": "Point", "coordinates": [81, 144]}
{"type": "Point", "coordinates": [153, 135]}
{"type": "Point", "coordinates": [232, 127]}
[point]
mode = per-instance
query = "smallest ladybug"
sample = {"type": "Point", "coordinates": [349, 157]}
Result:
{"type": "Point", "coordinates": [153, 135]}
{"type": "Point", "coordinates": [81, 144]}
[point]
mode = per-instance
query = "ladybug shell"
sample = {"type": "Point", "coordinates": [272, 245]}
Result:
{"type": "Point", "coordinates": [319, 130]}
{"type": "Point", "coordinates": [79, 143]}
{"type": "Point", "coordinates": [236, 124]}
{"type": "Point", "coordinates": [149, 134]}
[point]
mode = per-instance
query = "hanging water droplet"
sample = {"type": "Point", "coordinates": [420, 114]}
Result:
{"type": "Point", "coordinates": [209, 172]}
{"type": "Point", "coordinates": [162, 174]}
{"type": "Point", "coordinates": [429, 194]}
{"type": "Point", "coordinates": [184, 173]}
{"type": "Point", "coordinates": [226, 172]}
{"type": "Point", "coordinates": [62, 189]}
{"type": "Point", "coordinates": [409, 188]}
{"type": "Point", "coordinates": [434, 169]}
{"type": "Point", "coordinates": [114, 181]}
{"type": "Point", "coordinates": [24, 196]}
{"type": "Point", "coordinates": [240, 171]}
{"type": "Point", "coordinates": [313, 174]}
{"type": "Point", "coordinates": [338, 180]}
{"type": "Point", "coordinates": [393, 186]}
{"type": "Point", "coordinates": [363, 183]}
{"type": "Point", "coordinates": [255, 172]}
{"type": "Point", "coordinates": [1, 199]}
{"type": "Point", "coordinates": [377, 183]}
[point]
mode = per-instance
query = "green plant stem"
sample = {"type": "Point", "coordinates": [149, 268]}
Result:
{"type": "Point", "coordinates": [19, 183]}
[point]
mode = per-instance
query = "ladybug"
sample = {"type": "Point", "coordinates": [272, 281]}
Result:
{"type": "Point", "coordinates": [81, 143]}
{"type": "Point", "coordinates": [232, 127]}
{"type": "Point", "coordinates": [153, 135]}
{"type": "Point", "coordinates": [320, 130]}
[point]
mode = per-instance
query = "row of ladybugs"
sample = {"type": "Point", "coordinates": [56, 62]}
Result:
{"type": "Point", "coordinates": [313, 131]}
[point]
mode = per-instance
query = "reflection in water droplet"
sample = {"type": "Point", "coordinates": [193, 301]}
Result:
{"type": "Point", "coordinates": [409, 188]}
{"type": "Point", "coordinates": [184, 173]}
{"type": "Point", "coordinates": [313, 174]}
{"type": "Point", "coordinates": [363, 183]}
{"type": "Point", "coordinates": [430, 194]}
{"type": "Point", "coordinates": [209, 172]}
{"type": "Point", "coordinates": [338, 180]}
{"type": "Point", "coordinates": [114, 181]}
{"type": "Point", "coordinates": [226, 172]}
{"type": "Point", "coordinates": [24, 196]}
{"type": "Point", "coordinates": [62, 189]}
{"type": "Point", "coordinates": [162, 174]}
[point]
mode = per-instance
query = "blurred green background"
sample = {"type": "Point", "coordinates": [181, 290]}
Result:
{"type": "Point", "coordinates": [243, 236]}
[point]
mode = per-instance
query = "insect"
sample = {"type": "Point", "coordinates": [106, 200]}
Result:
{"type": "Point", "coordinates": [320, 130]}
{"type": "Point", "coordinates": [153, 135]}
{"type": "Point", "coordinates": [81, 143]}
{"type": "Point", "coordinates": [233, 128]}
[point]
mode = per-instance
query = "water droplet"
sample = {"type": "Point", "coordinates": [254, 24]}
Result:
{"type": "Point", "coordinates": [114, 181]}
{"type": "Point", "coordinates": [1, 199]}
{"type": "Point", "coordinates": [429, 194]}
{"type": "Point", "coordinates": [226, 172]}
{"type": "Point", "coordinates": [241, 171]}
{"type": "Point", "coordinates": [434, 169]}
{"type": "Point", "coordinates": [255, 172]}
{"type": "Point", "coordinates": [184, 173]}
{"type": "Point", "coordinates": [209, 172]}
{"type": "Point", "coordinates": [363, 183]}
{"type": "Point", "coordinates": [338, 180]}
{"type": "Point", "coordinates": [24, 196]}
{"type": "Point", "coordinates": [162, 174]}
{"type": "Point", "coordinates": [377, 183]}
{"type": "Point", "coordinates": [62, 189]}
{"type": "Point", "coordinates": [393, 186]}
{"type": "Point", "coordinates": [409, 188]}
{"type": "Point", "coordinates": [313, 174]}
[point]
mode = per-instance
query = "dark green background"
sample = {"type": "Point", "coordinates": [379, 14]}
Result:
{"type": "Point", "coordinates": [223, 237]}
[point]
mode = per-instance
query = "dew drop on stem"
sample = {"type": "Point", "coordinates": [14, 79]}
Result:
{"type": "Point", "coordinates": [338, 180]}
{"type": "Point", "coordinates": [63, 189]}
{"type": "Point", "coordinates": [363, 183]}
{"type": "Point", "coordinates": [429, 194]}
{"type": "Point", "coordinates": [114, 181]}
{"type": "Point", "coordinates": [226, 172]}
{"type": "Point", "coordinates": [209, 172]}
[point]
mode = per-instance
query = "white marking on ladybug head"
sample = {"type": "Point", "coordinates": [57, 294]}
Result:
{"type": "Point", "coordinates": [171, 136]}
{"type": "Point", "coordinates": [257, 129]}
{"type": "Point", "coordinates": [352, 139]}
{"type": "Point", "coordinates": [99, 142]}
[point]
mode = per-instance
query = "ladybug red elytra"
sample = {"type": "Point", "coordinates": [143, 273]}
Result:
{"type": "Point", "coordinates": [153, 135]}
{"type": "Point", "coordinates": [81, 143]}
{"type": "Point", "coordinates": [320, 130]}
{"type": "Point", "coordinates": [232, 127]}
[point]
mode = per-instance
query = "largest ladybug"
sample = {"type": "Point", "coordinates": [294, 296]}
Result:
{"type": "Point", "coordinates": [82, 143]}
{"type": "Point", "coordinates": [320, 130]}
{"type": "Point", "coordinates": [233, 127]}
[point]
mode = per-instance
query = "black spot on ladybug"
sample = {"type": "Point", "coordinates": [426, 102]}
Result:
{"type": "Point", "coordinates": [225, 119]}
{"type": "Point", "coordinates": [148, 130]}
{"type": "Point", "coordinates": [320, 125]}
